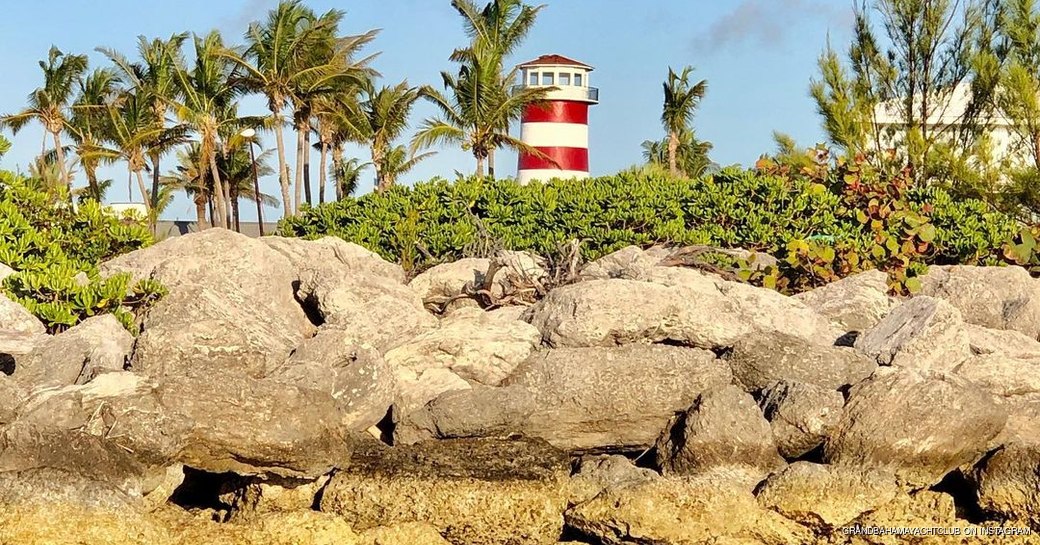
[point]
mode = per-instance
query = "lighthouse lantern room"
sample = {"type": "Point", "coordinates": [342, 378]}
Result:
{"type": "Point", "coordinates": [559, 127]}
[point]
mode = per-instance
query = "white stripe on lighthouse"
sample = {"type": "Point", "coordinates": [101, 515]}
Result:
{"type": "Point", "coordinates": [568, 135]}
{"type": "Point", "coordinates": [544, 175]}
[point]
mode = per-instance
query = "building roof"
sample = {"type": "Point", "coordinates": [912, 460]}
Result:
{"type": "Point", "coordinates": [554, 60]}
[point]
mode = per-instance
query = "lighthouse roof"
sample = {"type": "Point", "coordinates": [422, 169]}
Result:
{"type": "Point", "coordinates": [554, 60]}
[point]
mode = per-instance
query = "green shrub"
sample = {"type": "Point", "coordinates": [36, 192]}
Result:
{"type": "Point", "coordinates": [55, 250]}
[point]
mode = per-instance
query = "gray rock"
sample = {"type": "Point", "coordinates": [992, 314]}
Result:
{"type": "Point", "coordinates": [758, 361]}
{"type": "Point", "coordinates": [801, 415]}
{"type": "Point", "coordinates": [723, 428]}
{"type": "Point", "coordinates": [11, 395]}
{"type": "Point", "coordinates": [5, 271]}
{"type": "Point", "coordinates": [446, 280]}
{"type": "Point", "coordinates": [826, 497]}
{"type": "Point", "coordinates": [99, 344]}
{"type": "Point", "coordinates": [629, 262]}
{"type": "Point", "coordinates": [918, 426]}
{"type": "Point", "coordinates": [1002, 375]}
{"type": "Point", "coordinates": [993, 297]}
{"type": "Point", "coordinates": [46, 487]}
{"type": "Point", "coordinates": [578, 399]}
{"type": "Point", "coordinates": [922, 333]}
{"type": "Point", "coordinates": [594, 474]}
{"type": "Point", "coordinates": [333, 253]}
{"type": "Point", "coordinates": [14, 318]}
{"type": "Point", "coordinates": [1013, 344]}
{"type": "Point", "coordinates": [856, 303]}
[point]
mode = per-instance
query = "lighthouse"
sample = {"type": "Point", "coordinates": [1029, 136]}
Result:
{"type": "Point", "coordinates": [559, 127]}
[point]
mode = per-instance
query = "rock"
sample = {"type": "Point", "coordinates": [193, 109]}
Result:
{"type": "Point", "coordinates": [856, 303]}
{"type": "Point", "coordinates": [771, 312]}
{"type": "Point", "coordinates": [723, 428]}
{"type": "Point", "coordinates": [826, 497]}
{"type": "Point", "coordinates": [230, 306]}
{"type": "Point", "coordinates": [717, 505]}
{"type": "Point", "coordinates": [922, 333]}
{"type": "Point", "coordinates": [801, 415]}
{"type": "Point", "coordinates": [1008, 483]}
{"type": "Point", "coordinates": [917, 426]}
{"type": "Point", "coordinates": [629, 262]}
{"type": "Point", "coordinates": [412, 533]}
{"type": "Point", "coordinates": [249, 498]}
{"type": "Point", "coordinates": [333, 253]}
{"type": "Point", "coordinates": [43, 486]}
{"type": "Point", "coordinates": [579, 399]}
{"type": "Point", "coordinates": [96, 345]}
{"type": "Point", "coordinates": [595, 474]}
{"type": "Point", "coordinates": [14, 318]}
{"type": "Point", "coordinates": [617, 312]}
{"type": "Point", "coordinates": [506, 314]}
{"type": "Point", "coordinates": [446, 280]}
{"type": "Point", "coordinates": [1012, 344]}
{"type": "Point", "coordinates": [11, 395]}
{"type": "Point", "coordinates": [416, 390]}
{"type": "Point", "coordinates": [473, 491]}
{"type": "Point", "coordinates": [758, 361]}
{"type": "Point", "coordinates": [993, 297]}
{"type": "Point", "coordinates": [474, 347]}
{"type": "Point", "coordinates": [356, 376]}
{"type": "Point", "coordinates": [1002, 375]}
{"type": "Point", "coordinates": [5, 271]}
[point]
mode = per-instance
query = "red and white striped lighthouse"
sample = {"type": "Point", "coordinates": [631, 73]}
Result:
{"type": "Point", "coordinates": [558, 128]}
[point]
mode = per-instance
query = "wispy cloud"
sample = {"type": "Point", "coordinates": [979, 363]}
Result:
{"type": "Point", "coordinates": [251, 10]}
{"type": "Point", "coordinates": [769, 23]}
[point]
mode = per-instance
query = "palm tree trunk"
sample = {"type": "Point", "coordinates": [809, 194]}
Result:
{"type": "Point", "coordinates": [480, 167]}
{"type": "Point", "coordinates": [144, 194]}
{"type": "Point", "coordinates": [299, 169]}
{"type": "Point", "coordinates": [283, 167]}
{"type": "Point", "coordinates": [61, 159]}
{"type": "Point", "coordinates": [377, 165]}
{"type": "Point", "coordinates": [322, 166]}
{"type": "Point", "coordinates": [307, 165]}
{"type": "Point", "coordinates": [235, 212]}
{"type": "Point", "coordinates": [200, 213]}
{"type": "Point", "coordinates": [212, 220]}
{"type": "Point", "coordinates": [673, 150]}
{"type": "Point", "coordinates": [219, 206]}
{"type": "Point", "coordinates": [155, 183]}
{"type": "Point", "coordinates": [256, 191]}
{"type": "Point", "coordinates": [92, 183]}
{"type": "Point", "coordinates": [491, 164]}
{"type": "Point", "coordinates": [337, 163]}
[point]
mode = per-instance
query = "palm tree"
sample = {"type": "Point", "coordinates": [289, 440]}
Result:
{"type": "Point", "coordinates": [681, 100]}
{"type": "Point", "coordinates": [691, 154]}
{"type": "Point", "coordinates": [87, 125]}
{"type": "Point", "coordinates": [380, 119]}
{"type": "Point", "coordinates": [236, 168]}
{"type": "Point", "coordinates": [346, 174]}
{"type": "Point", "coordinates": [191, 175]}
{"type": "Point", "coordinates": [335, 116]}
{"type": "Point", "coordinates": [154, 81]}
{"type": "Point", "coordinates": [396, 162]}
{"type": "Point", "coordinates": [49, 104]}
{"type": "Point", "coordinates": [132, 131]}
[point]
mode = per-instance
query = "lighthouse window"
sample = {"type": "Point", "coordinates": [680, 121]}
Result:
{"type": "Point", "coordinates": [547, 78]}
{"type": "Point", "coordinates": [577, 80]}
{"type": "Point", "coordinates": [565, 79]}
{"type": "Point", "coordinates": [534, 79]}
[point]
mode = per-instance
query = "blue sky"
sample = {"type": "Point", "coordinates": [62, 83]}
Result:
{"type": "Point", "coordinates": [757, 55]}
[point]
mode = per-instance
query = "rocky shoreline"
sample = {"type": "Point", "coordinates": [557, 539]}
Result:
{"type": "Point", "coordinates": [291, 391]}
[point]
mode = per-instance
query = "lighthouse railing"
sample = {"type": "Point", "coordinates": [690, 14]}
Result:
{"type": "Point", "coordinates": [580, 93]}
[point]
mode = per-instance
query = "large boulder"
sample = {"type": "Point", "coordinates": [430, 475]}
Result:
{"type": "Point", "coordinates": [1012, 344]}
{"type": "Point", "coordinates": [630, 262]}
{"type": "Point", "coordinates": [993, 297]}
{"type": "Point", "coordinates": [922, 333]}
{"type": "Point", "coordinates": [856, 303]}
{"type": "Point", "coordinates": [355, 376]}
{"type": "Point", "coordinates": [826, 497]}
{"type": "Point", "coordinates": [15, 318]}
{"type": "Point", "coordinates": [723, 428]}
{"type": "Point", "coordinates": [11, 395]}
{"type": "Point", "coordinates": [758, 361]}
{"type": "Point", "coordinates": [230, 306]}
{"type": "Point", "coordinates": [1002, 375]}
{"type": "Point", "coordinates": [919, 426]}
{"type": "Point", "coordinates": [801, 415]}
{"type": "Point", "coordinates": [473, 491]}
{"type": "Point", "coordinates": [712, 507]}
{"type": "Point", "coordinates": [578, 399]}
{"type": "Point", "coordinates": [1008, 483]}
{"type": "Point", "coordinates": [332, 253]}
{"type": "Point", "coordinates": [97, 345]}
{"type": "Point", "coordinates": [441, 283]}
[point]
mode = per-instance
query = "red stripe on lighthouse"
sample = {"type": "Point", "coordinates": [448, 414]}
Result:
{"type": "Point", "coordinates": [557, 111]}
{"type": "Point", "coordinates": [566, 159]}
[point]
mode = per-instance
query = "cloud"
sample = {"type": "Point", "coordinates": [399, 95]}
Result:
{"type": "Point", "coordinates": [769, 23]}
{"type": "Point", "coordinates": [251, 10]}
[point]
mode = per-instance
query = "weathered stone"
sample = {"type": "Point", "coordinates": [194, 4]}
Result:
{"type": "Point", "coordinates": [758, 361]}
{"type": "Point", "coordinates": [230, 305]}
{"type": "Point", "coordinates": [45, 485]}
{"type": "Point", "coordinates": [1008, 482]}
{"type": "Point", "coordinates": [11, 395]}
{"type": "Point", "coordinates": [333, 253]}
{"type": "Point", "coordinates": [801, 415]}
{"type": "Point", "coordinates": [417, 389]}
{"type": "Point", "coordinates": [723, 428]}
{"type": "Point", "coordinates": [14, 318]}
{"type": "Point", "coordinates": [594, 474]}
{"type": "Point", "coordinates": [249, 497]}
{"type": "Point", "coordinates": [1002, 375]}
{"type": "Point", "coordinates": [629, 262]}
{"type": "Point", "coordinates": [993, 297]}
{"type": "Point", "coordinates": [446, 280]}
{"type": "Point", "coordinates": [1013, 344]}
{"type": "Point", "coordinates": [684, 511]}
{"type": "Point", "coordinates": [826, 497]}
{"type": "Point", "coordinates": [579, 399]}
{"type": "Point", "coordinates": [473, 491]}
{"type": "Point", "coordinates": [97, 345]}
{"type": "Point", "coordinates": [506, 314]}
{"type": "Point", "coordinates": [356, 376]}
{"type": "Point", "coordinates": [918, 426]}
{"type": "Point", "coordinates": [922, 333]}
{"type": "Point", "coordinates": [5, 271]}
{"type": "Point", "coordinates": [856, 303]}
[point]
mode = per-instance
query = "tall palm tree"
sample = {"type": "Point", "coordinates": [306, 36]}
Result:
{"type": "Point", "coordinates": [381, 118]}
{"type": "Point", "coordinates": [192, 176]}
{"type": "Point", "coordinates": [131, 130]}
{"type": "Point", "coordinates": [394, 163]}
{"type": "Point", "coordinates": [153, 79]}
{"type": "Point", "coordinates": [87, 126]}
{"type": "Point", "coordinates": [681, 99]}
{"type": "Point", "coordinates": [337, 120]}
{"type": "Point", "coordinates": [49, 105]}
{"type": "Point", "coordinates": [691, 154]}
{"type": "Point", "coordinates": [346, 174]}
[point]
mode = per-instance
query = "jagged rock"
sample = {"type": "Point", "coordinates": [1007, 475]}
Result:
{"type": "Point", "coordinates": [97, 345]}
{"type": "Point", "coordinates": [474, 347]}
{"type": "Point", "coordinates": [594, 474]}
{"type": "Point", "coordinates": [801, 415]}
{"type": "Point", "coordinates": [416, 390]}
{"type": "Point", "coordinates": [411, 533]}
{"type": "Point", "coordinates": [826, 497]}
{"type": "Point", "coordinates": [446, 280]}
{"type": "Point", "coordinates": [920, 427]}
{"type": "Point", "coordinates": [1002, 375]}
{"type": "Point", "coordinates": [356, 376]}
{"type": "Point", "coordinates": [506, 314]}
{"type": "Point", "coordinates": [249, 497]}
{"type": "Point", "coordinates": [42, 486]}
{"type": "Point", "coordinates": [333, 253]}
{"type": "Point", "coordinates": [1008, 482]}
{"type": "Point", "coordinates": [758, 361]}
{"type": "Point", "coordinates": [993, 297]}
{"type": "Point", "coordinates": [578, 399]}
{"type": "Point", "coordinates": [617, 312]}
{"type": "Point", "coordinates": [230, 306]}
{"type": "Point", "coordinates": [5, 271]}
{"type": "Point", "coordinates": [14, 318]}
{"type": "Point", "coordinates": [724, 427]}
{"type": "Point", "coordinates": [856, 303]}
{"type": "Point", "coordinates": [473, 491]}
{"type": "Point", "coordinates": [629, 262]}
{"type": "Point", "coordinates": [922, 333]}
{"type": "Point", "coordinates": [11, 395]}
{"type": "Point", "coordinates": [1013, 344]}
{"type": "Point", "coordinates": [717, 505]}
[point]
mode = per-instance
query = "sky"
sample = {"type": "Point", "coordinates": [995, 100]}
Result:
{"type": "Point", "coordinates": [758, 57]}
